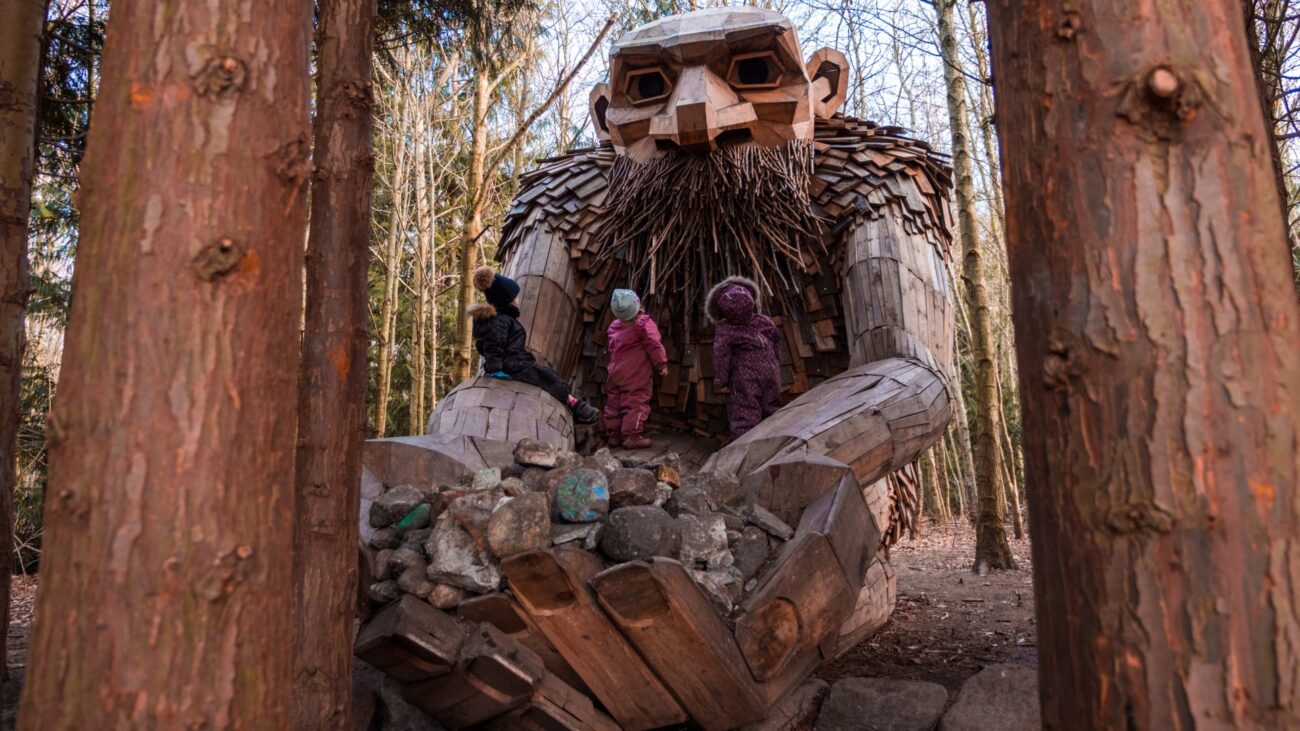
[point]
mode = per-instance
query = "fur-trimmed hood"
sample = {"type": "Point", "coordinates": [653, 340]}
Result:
{"type": "Point", "coordinates": [711, 302]}
{"type": "Point", "coordinates": [481, 311]}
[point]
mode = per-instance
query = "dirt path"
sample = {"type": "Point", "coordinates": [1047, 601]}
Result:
{"type": "Point", "coordinates": [949, 623]}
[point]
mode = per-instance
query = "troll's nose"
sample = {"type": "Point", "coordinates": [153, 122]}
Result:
{"type": "Point", "coordinates": [702, 107]}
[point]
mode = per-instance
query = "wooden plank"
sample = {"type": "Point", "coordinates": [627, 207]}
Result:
{"type": "Point", "coordinates": [554, 707]}
{"type": "Point", "coordinates": [678, 631]}
{"type": "Point", "coordinates": [409, 640]}
{"type": "Point", "coordinates": [552, 587]}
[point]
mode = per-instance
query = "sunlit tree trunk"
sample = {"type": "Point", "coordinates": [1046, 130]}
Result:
{"type": "Point", "coordinates": [166, 595]}
{"type": "Point", "coordinates": [1159, 352]}
{"type": "Point", "coordinates": [991, 548]}
{"type": "Point", "coordinates": [332, 381]}
{"type": "Point", "coordinates": [392, 275]}
{"type": "Point", "coordinates": [476, 201]}
{"type": "Point", "coordinates": [21, 22]}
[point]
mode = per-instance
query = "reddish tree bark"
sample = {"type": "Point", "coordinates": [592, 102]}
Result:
{"type": "Point", "coordinates": [332, 382]}
{"type": "Point", "coordinates": [1158, 338]}
{"type": "Point", "coordinates": [20, 62]}
{"type": "Point", "coordinates": [165, 597]}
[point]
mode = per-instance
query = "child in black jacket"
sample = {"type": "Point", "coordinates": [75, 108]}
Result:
{"type": "Point", "coordinates": [502, 342]}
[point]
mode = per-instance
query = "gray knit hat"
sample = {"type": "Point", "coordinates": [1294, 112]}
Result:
{"type": "Point", "coordinates": [625, 304]}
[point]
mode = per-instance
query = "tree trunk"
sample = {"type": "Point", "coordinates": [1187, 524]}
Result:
{"type": "Point", "coordinates": [392, 280]}
{"type": "Point", "coordinates": [420, 282]}
{"type": "Point", "coordinates": [1159, 351]}
{"type": "Point", "coordinates": [21, 23]}
{"type": "Point", "coordinates": [332, 381]}
{"type": "Point", "coordinates": [991, 547]}
{"type": "Point", "coordinates": [166, 595]}
{"type": "Point", "coordinates": [476, 199]}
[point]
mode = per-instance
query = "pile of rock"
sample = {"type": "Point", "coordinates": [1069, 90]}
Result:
{"type": "Point", "coordinates": [445, 543]}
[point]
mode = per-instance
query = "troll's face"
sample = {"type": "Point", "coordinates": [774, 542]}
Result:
{"type": "Point", "coordinates": [729, 76]}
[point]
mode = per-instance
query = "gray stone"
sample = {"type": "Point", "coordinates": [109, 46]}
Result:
{"type": "Point", "coordinates": [690, 500]}
{"type": "Point", "coordinates": [381, 568]}
{"type": "Point", "coordinates": [446, 596]}
{"type": "Point", "coordinates": [721, 489]}
{"type": "Point", "coordinates": [456, 559]}
{"type": "Point", "coordinates": [592, 541]}
{"type": "Point", "coordinates": [639, 532]}
{"type": "Point", "coordinates": [667, 459]}
{"type": "Point", "coordinates": [513, 486]}
{"type": "Point", "coordinates": [532, 453]}
{"type": "Point", "coordinates": [415, 538]}
{"type": "Point", "coordinates": [882, 704]}
{"type": "Point", "coordinates": [734, 522]}
{"type": "Point", "coordinates": [631, 487]}
{"type": "Point", "coordinates": [512, 471]}
{"type": "Point", "coordinates": [562, 533]}
{"type": "Point", "coordinates": [663, 493]}
{"type": "Point", "coordinates": [796, 712]}
{"type": "Point", "coordinates": [704, 538]}
{"type": "Point", "coordinates": [669, 474]}
{"type": "Point", "coordinates": [383, 592]}
{"type": "Point", "coordinates": [488, 479]}
{"type": "Point", "coordinates": [632, 463]}
{"type": "Point", "coordinates": [392, 505]}
{"type": "Point", "coordinates": [1003, 696]}
{"type": "Point", "coordinates": [415, 581]}
{"type": "Point", "coordinates": [607, 461]}
{"type": "Point", "coordinates": [751, 551]}
{"type": "Point", "coordinates": [397, 714]}
{"type": "Point", "coordinates": [567, 459]}
{"type": "Point", "coordinates": [582, 496]}
{"type": "Point", "coordinates": [763, 518]}
{"type": "Point", "coordinates": [521, 524]}
{"type": "Point", "coordinates": [403, 559]}
{"type": "Point", "coordinates": [722, 586]}
{"type": "Point", "coordinates": [385, 538]}
{"type": "Point", "coordinates": [534, 479]}
{"type": "Point", "coordinates": [473, 511]}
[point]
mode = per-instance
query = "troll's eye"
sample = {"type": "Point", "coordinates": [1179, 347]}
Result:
{"type": "Point", "coordinates": [755, 71]}
{"type": "Point", "coordinates": [646, 85]}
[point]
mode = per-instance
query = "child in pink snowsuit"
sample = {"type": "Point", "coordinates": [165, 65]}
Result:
{"type": "Point", "coordinates": [746, 353]}
{"type": "Point", "coordinates": [635, 351]}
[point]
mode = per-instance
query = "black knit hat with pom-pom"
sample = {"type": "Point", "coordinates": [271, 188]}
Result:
{"type": "Point", "coordinates": [499, 289]}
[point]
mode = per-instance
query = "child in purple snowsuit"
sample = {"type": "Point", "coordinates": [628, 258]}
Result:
{"type": "Point", "coordinates": [635, 350]}
{"type": "Point", "coordinates": [745, 353]}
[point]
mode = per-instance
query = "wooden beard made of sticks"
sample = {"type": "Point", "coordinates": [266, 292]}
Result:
{"type": "Point", "coordinates": [683, 222]}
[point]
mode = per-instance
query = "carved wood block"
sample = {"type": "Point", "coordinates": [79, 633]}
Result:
{"type": "Point", "coordinates": [552, 586]}
{"type": "Point", "coordinates": [787, 485]}
{"type": "Point", "coordinates": [501, 611]}
{"type": "Point", "coordinates": [678, 631]}
{"type": "Point", "coordinates": [554, 707]}
{"type": "Point", "coordinates": [842, 516]}
{"type": "Point", "coordinates": [874, 605]}
{"type": "Point", "coordinates": [492, 676]}
{"type": "Point", "coordinates": [789, 625]}
{"type": "Point", "coordinates": [410, 640]}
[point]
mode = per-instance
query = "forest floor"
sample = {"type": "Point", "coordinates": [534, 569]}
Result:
{"type": "Point", "coordinates": [949, 622]}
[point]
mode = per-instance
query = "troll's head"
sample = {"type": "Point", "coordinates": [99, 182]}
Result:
{"type": "Point", "coordinates": [712, 79]}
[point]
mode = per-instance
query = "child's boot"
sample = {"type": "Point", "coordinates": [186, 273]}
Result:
{"type": "Point", "coordinates": [614, 438]}
{"type": "Point", "coordinates": [585, 413]}
{"type": "Point", "coordinates": [636, 441]}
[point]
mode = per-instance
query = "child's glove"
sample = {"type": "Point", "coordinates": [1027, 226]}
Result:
{"type": "Point", "coordinates": [663, 371]}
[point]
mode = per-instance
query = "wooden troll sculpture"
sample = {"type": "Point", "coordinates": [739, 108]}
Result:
{"type": "Point", "coordinates": [723, 155]}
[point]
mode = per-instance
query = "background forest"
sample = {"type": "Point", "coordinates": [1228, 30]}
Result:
{"type": "Point", "coordinates": [470, 93]}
